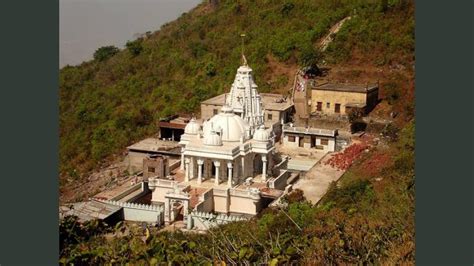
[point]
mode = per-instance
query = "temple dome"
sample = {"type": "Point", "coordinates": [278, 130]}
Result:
{"type": "Point", "coordinates": [261, 134]}
{"type": "Point", "coordinates": [212, 139]}
{"type": "Point", "coordinates": [228, 125]}
{"type": "Point", "coordinates": [192, 128]}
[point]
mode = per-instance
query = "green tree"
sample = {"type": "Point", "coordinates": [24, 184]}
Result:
{"type": "Point", "coordinates": [309, 56]}
{"type": "Point", "coordinates": [134, 47]}
{"type": "Point", "coordinates": [105, 52]}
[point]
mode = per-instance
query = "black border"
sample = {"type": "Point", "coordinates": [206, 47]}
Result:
{"type": "Point", "coordinates": [29, 132]}
{"type": "Point", "coordinates": [444, 131]}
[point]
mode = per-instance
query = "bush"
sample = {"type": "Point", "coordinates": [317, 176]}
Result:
{"type": "Point", "coordinates": [134, 47]}
{"type": "Point", "coordinates": [105, 52]}
{"type": "Point", "coordinates": [294, 196]}
{"type": "Point", "coordinates": [308, 56]}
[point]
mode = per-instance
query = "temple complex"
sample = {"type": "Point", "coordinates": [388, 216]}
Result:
{"type": "Point", "coordinates": [228, 162]}
{"type": "Point", "coordinates": [224, 166]}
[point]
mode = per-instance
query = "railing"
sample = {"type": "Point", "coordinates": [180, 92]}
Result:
{"type": "Point", "coordinates": [156, 182]}
{"type": "Point", "coordinates": [219, 192]}
{"type": "Point", "coordinates": [156, 208]}
{"type": "Point", "coordinates": [316, 131]}
{"type": "Point", "coordinates": [245, 193]}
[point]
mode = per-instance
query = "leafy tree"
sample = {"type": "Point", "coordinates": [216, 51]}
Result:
{"type": "Point", "coordinates": [309, 56]}
{"type": "Point", "coordinates": [134, 47]}
{"type": "Point", "coordinates": [105, 52]}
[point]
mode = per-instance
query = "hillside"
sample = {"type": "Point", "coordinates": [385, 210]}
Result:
{"type": "Point", "coordinates": [116, 99]}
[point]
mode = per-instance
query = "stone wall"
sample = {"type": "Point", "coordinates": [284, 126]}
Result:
{"type": "Point", "coordinates": [139, 212]}
{"type": "Point", "coordinates": [205, 220]}
{"type": "Point", "coordinates": [244, 201]}
{"type": "Point", "coordinates": [206, 202]}
{"type": "Point", "coordinates": [135, 161]}
{"type": "Point", "coordinates": [159, 188]}
{"type": "Point", "coordinates": [155, 167]}
{"type": "Point", "coordinates": [279, 182]}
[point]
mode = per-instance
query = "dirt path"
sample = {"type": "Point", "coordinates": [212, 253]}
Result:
{"type": "Point", "coordinates": [323, 44]}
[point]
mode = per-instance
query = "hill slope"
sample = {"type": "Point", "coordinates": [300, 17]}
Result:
{"type": "Point", "coordinates": [108, 103]}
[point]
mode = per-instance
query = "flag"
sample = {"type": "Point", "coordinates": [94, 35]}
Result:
{"type": "Point", "coordinates": [300, 84]}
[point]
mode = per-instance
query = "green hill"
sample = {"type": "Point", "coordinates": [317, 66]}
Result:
{"type": "Point", "coordinates": [116, 99]}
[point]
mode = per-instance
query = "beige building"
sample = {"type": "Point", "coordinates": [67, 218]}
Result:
{"type": "Point", "coordinates": [143, 149]}
{"type": "Point", "coordinates": [338, 99]}
{"type": "Point", "coordinates": [275, 107]}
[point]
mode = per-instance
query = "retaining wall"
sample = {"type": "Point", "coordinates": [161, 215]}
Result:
{"type": "Point", "coordinates": [139, 212]}
{"type": "Point", "coordinates": [205, 220]}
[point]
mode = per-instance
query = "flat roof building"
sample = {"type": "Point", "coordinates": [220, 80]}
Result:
{"type": "Point", "coordinates": [172, 128]}
{"type": "Point", "coordinates": [309, 138]}
{"type": "Point", "coordinates": [150, 146]}
{"type": "Point", "coordinates": [276, 107]}
{"type": "Point", "coordinates": [340, 98]}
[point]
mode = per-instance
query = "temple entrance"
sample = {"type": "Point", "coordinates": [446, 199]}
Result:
{"type": "Point", "coordinates": [301, 142]}
{"type": "Point", "coordinates": [257, 164]}
{"type": "Point", "coordinates": [313, 141]}
{"type": "Point", "coordinates": [213, 170]}
{"type": "Point", "coordinates": [176, 206]}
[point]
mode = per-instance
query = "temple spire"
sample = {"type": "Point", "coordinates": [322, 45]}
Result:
{"type": "Point", "coordinates": [244, 60]}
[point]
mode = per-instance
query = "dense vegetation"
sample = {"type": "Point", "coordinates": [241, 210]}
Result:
{"type": "Point", "coordinates": [116, 98]}
{"type": "Point", "coordinates": [367, 219]}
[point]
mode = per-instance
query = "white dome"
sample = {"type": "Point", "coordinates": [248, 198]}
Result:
{"type": "Point", "coordinates": [212, 139]}
{"type": "Point", "coordinates": [192, 128]}
{"type": "Point", "coordinates": [228, 125]}
{"type": "Point", "coordinates": [261, 134]}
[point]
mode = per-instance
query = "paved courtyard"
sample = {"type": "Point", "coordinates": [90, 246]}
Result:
{"type": "Point", "coordinates": [315, 182]}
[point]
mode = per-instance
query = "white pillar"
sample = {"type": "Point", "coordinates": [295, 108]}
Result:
{"type": "Point", "coordinates": [200, 163]}
{"type": "Point", "coordinates": [264, 168]}
{"type": "Point", "coordinates": [243, 173]}
{"type": "Point", "coordinates": [167, 210]}
{"type": "Point", "coordinates": [182, 158]}
{"type": "Point", "coordinates": [186, 170]}
{"type": "Point", "coordinates": [217, 164]}
{"type": "Point", "coordinates": [229, 174]}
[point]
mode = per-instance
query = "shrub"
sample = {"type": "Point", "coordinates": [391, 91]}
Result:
{"type": "Point", "coordinates": [134, 47]}
{"type": "Point", "coordinates": [105, 52]}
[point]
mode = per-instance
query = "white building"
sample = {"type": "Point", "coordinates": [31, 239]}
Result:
{"type": "Point", "coordinates": [309, 138]}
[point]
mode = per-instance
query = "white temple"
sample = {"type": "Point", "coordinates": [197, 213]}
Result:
{"type": "Point", "coordinates": [228, 165]}
{"type": "Point", "coordinates": [234, 144]}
